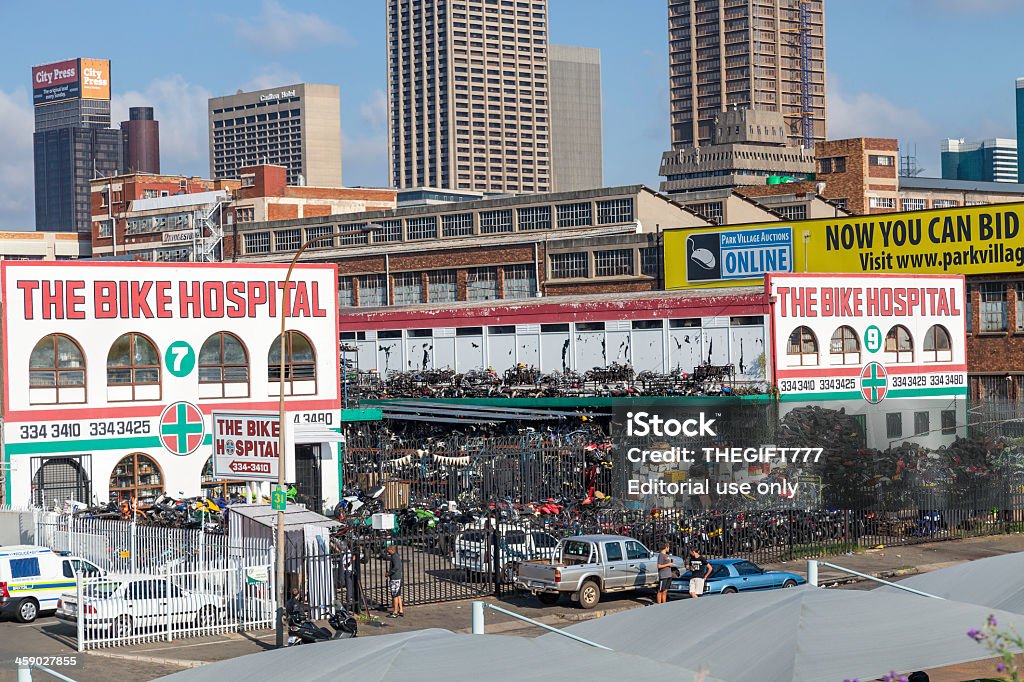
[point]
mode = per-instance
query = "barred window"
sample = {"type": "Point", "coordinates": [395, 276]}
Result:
{"type": "Point", "coordinates": [105, 228]}
{"type": "Point", "coordinates": [792, 212]}
{"type": "Point", "coordinates": [390, 231]}
{"type": "Point", "coordinates": [457, 225]}
{"type": "Point", "coordinates": [613, 263]}
{"type": "Point", "coordinates": [353, 234]}
{"type": "Point", "coordinates": [287, 240]}
{"type": "Point", "coordinates": [574, 215]}
{"type": "Point", "coordinates": [346, 295]}
{"type": "Point", "coordinates": [914, 204]}
{"type": "Point", "coordinates": [993, 307]}
{"type": "Point", "coordinates": [372, 291]}
{"type": "Point", "coordinates": [520, 281]}
{"type": "Point", "coordinates": [534, 218]}
{"type": "Point", "coordinates": [650, 264]}
{"type": "Point", "coordinates": [482, 284]}
{"type": "Point", "coordinates": [320, 231]}
{"type": "Point", "coordinates": [881, 202]}
{"type": "Point", "coordinates": [569, 265]}
{"type": "Point", "coordinates": [945, 203]}
{"type": "Point", "coordinates": [180, 254]}
{"type": "Point", "coordinates": [442, 286]}
{"type": "Point", "coordinates": [495, 221]}
{"type": "Point", "coordinates": [840, 203]}
{"type": "Point", "coordinates": [408, 288]}
{"type": "Point", "coordinates": [256, 242]}
{"type": "Point", "coordinates": [421, 228]}
{"type": "Point", "coordinates": [712, 210]}
{"type": "Point", "coordinates": [615, 211]}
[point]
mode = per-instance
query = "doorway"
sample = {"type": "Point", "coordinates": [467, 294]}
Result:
{"type": "Point", "coordinates": [307, 476]}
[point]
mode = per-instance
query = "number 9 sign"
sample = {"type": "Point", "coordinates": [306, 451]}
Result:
{"type": "Point", "coordinates": [180, 359]}
{"type": "Point", "coordinates": [873, 339]}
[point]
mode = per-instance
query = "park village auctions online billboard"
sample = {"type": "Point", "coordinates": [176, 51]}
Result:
{"type": "Point", "coordinates": [113, 370]}
{"type": "Point", "coordinates": [874, 345]}
{"type": "Point", "coordinates": [963, 240]}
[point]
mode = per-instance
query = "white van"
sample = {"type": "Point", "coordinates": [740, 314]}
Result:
{"type": "Point", "coordinates": [516, 544]}
{"type": "Point", "coordinates": [32, 579]}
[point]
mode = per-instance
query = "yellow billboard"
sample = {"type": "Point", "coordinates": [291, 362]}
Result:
{"type": "Point", "coordinates": [970, 240]}
{"type": "Point", "coordinates": [95, 78]}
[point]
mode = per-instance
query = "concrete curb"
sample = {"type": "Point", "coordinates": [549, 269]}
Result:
{"type": "Point", "coordinates": [176, 662]}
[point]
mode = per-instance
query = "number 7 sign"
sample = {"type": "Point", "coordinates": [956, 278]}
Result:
{"type": "Point", "coordinates": [180, 359]}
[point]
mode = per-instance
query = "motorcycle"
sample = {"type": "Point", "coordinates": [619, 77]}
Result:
{"type": "Point", "coordinates": [302, 630]}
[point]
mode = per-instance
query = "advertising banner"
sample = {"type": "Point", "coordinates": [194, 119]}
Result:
{"type": "Point", "coordinates": [55, 82]}
{"type": "Point", "coordinates": [968, 240]}
{"type": "Point", "coordinates": [869, 338]}
{"type": "Point", "coordinates": [246, 446]}
{"type": "Point", "coordinates": [95, 76]}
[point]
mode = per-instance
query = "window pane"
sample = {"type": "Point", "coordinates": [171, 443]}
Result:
{"type": "Point", "coordinates": [209, 354]}
{"type": "Point", "coordinates": [234, 353]}
{"type": "Point", "coordinates": [301, 351]}
{"type": "Point", "coordinates": [147, 375]}
{"type": "Point", "coordinates": [73, 377]}
{"type": "Point", "coordinates": [239, 373]}
{"type": "Point", "coordinates": [120, 353]}
{"type": "Point", "coordinates": [68, 354]}
{"type": "Point", "coordinates": [210, 374]}
{"type": "Point", "coordinates": [116, 376]}
{"type": "Point", "coordinates": [145, 352]}
{"type": "Point", "coordinates": [41, 378]}
{"type": "Point", "coordinates": [42, 354]}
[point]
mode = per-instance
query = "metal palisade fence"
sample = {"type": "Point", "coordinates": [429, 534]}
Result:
{"type": "Point", "coordinates": [127, 547]}
{"type": "Point", "coordinates": [123, 609]}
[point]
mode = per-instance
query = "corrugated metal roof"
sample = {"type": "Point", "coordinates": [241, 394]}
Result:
{"type": "Point", "coordinates": [179, 200]}
{"type": "Point", "coordinates": [295, 516]}
{"type": "Point", "coordinates": [961, 185]}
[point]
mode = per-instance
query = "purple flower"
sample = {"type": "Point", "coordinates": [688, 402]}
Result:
{"type": "Point", "coordinates": [992, 620]}
{"type": "Point", "coordinates": [976, 634]}
{"type": "Point", "coordinates": [1001, 668]}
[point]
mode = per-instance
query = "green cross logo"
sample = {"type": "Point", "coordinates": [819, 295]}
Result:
{"type": "Point", "coordinates": [182, 428]}
{"type": "Point", "coordinates": [874, 382]}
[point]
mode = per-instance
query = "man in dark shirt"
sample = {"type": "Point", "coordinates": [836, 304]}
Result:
{"type": "Point", "coordinates": [664, 574]}
{"type": "Point", "coordinates": [395, 576]}
{"type": "Point", "coordinates": [700, 569]}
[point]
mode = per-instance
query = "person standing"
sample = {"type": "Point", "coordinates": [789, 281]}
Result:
{"type": "Point", "coordinates": [348, 578]}
{"type": "Point", "coordinates": [664, 574]}
{"type": "Point", "coordinates": [395, 576]}
{"type": "Point", "coordinates": [700, 570]}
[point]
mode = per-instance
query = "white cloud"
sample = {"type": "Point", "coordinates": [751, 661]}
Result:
{"type": "Point", "coordinates": [865, 114]}
{"type": "Point", "coordinates": [17, 180]}
{"type": "Point", "coordinates": [364, 160]}
{"type": "Point", "coordinates": [374, 111]}
{"type": "Point", "coordinates": [276, 29]}
{"type": "Point", "coordinates": [271, 76]}
{"type": "Point", "coordinates": [181, 108]}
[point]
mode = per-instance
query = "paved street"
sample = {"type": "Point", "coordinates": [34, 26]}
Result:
{"type": "Point", "coordinates": [48, 637]}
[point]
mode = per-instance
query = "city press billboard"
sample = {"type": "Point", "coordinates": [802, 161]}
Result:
{"type": "Point", "coordinates": [55, 82]}
{"type": "Point", "coordinates": [95, 76]}
{"type": "Point", "coordinates": [868, 338]}
{"type": "Point", "coordinates": [970, 240]}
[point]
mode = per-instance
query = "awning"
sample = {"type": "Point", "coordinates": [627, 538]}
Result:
{"type": "Point", "coordinates": [315, 433]}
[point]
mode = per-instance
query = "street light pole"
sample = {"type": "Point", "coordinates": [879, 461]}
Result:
{"type": "Point", "coordinates": [368, 228]}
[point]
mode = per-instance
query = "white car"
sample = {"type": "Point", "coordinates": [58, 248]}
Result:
{"type": "Point", "coordinates": [32, 578]}
{"type": "Point", "coordinates": [516, 544]}
{"type": "Point", "coordinates": [128, 604]}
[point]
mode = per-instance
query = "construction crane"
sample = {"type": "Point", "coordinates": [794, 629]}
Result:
{"type": "Point", "coordinates": [803, 40]}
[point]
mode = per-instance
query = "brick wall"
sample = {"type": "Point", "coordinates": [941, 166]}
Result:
{"type": "Point", "coordinates": [282, 211]}
{"type": "Point", "coordinates": [995, 352]}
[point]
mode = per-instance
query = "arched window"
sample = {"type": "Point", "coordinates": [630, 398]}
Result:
{"type": "Point", "coordinates": [136, 476]}
{"type": "Point", "coordinates": [219, 487]}
{"type": "Point", "coordinates": [938, 346]}
{"type": "Point", "coordinates": [803, 346]}
{"type": "Point", "coordinates": [133, 369]}
{"type": "Point", "coordinates": [899, 345]}
{"type": "Point", "coordinates": [845, 347]}
{"type": "Point", "coordinates": [223, 367]}
{"type": "Point", "coordinates": [56, 371]}
{"type": "Point", "coordinates": [299, 365]}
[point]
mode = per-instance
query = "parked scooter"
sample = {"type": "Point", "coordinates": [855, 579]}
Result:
{"type": "Point", "coordinates": [302, 630]}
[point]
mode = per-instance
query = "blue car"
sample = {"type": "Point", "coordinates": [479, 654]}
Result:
{"type": "Point", "coordinates": [729, 576]}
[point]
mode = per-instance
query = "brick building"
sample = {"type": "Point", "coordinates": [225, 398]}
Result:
{"type": "Point", "coordinates": [589, 241]}
{"type": "Point", "coordinates": [174, 218]}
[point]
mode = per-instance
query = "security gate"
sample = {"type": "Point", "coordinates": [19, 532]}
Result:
{"type": "Point", "coordinates": [56, 479]}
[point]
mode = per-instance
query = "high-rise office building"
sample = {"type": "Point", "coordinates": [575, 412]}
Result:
{"type": "Point", "coordinates": [992, 160]}
{"type": "Point", "coordinates": [468, 95]}
{"type": "Point", "coordinates": [574, 83]}
{"type": "Point", "coordinates": [745, 54]}
{"type": "Point", "coordinates": [295, 126]}
{"type": "Point", "coordinates": [141, 141]}
{"type": "Point", "coordinates": [73, 141]}
{"type": "Point", "coordinates": [1020, 130]}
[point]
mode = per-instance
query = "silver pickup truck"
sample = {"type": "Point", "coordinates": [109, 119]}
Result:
{"type": "Point", "coordinates": [585, 566]}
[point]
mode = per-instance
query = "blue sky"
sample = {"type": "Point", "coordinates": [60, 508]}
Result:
{"type": "Point", "coordinates": [917, 70]}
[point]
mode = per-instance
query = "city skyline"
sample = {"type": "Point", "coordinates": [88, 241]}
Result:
{"type": "Point", "coordinates": [934, 93]}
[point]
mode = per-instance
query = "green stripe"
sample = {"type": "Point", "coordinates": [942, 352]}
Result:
{"type": "Point", "coordinates": [939, 391]}
{"type": "Point", "coordinates": [52, 447]}
{"type": "Point", "coordinates": [836, 395]}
